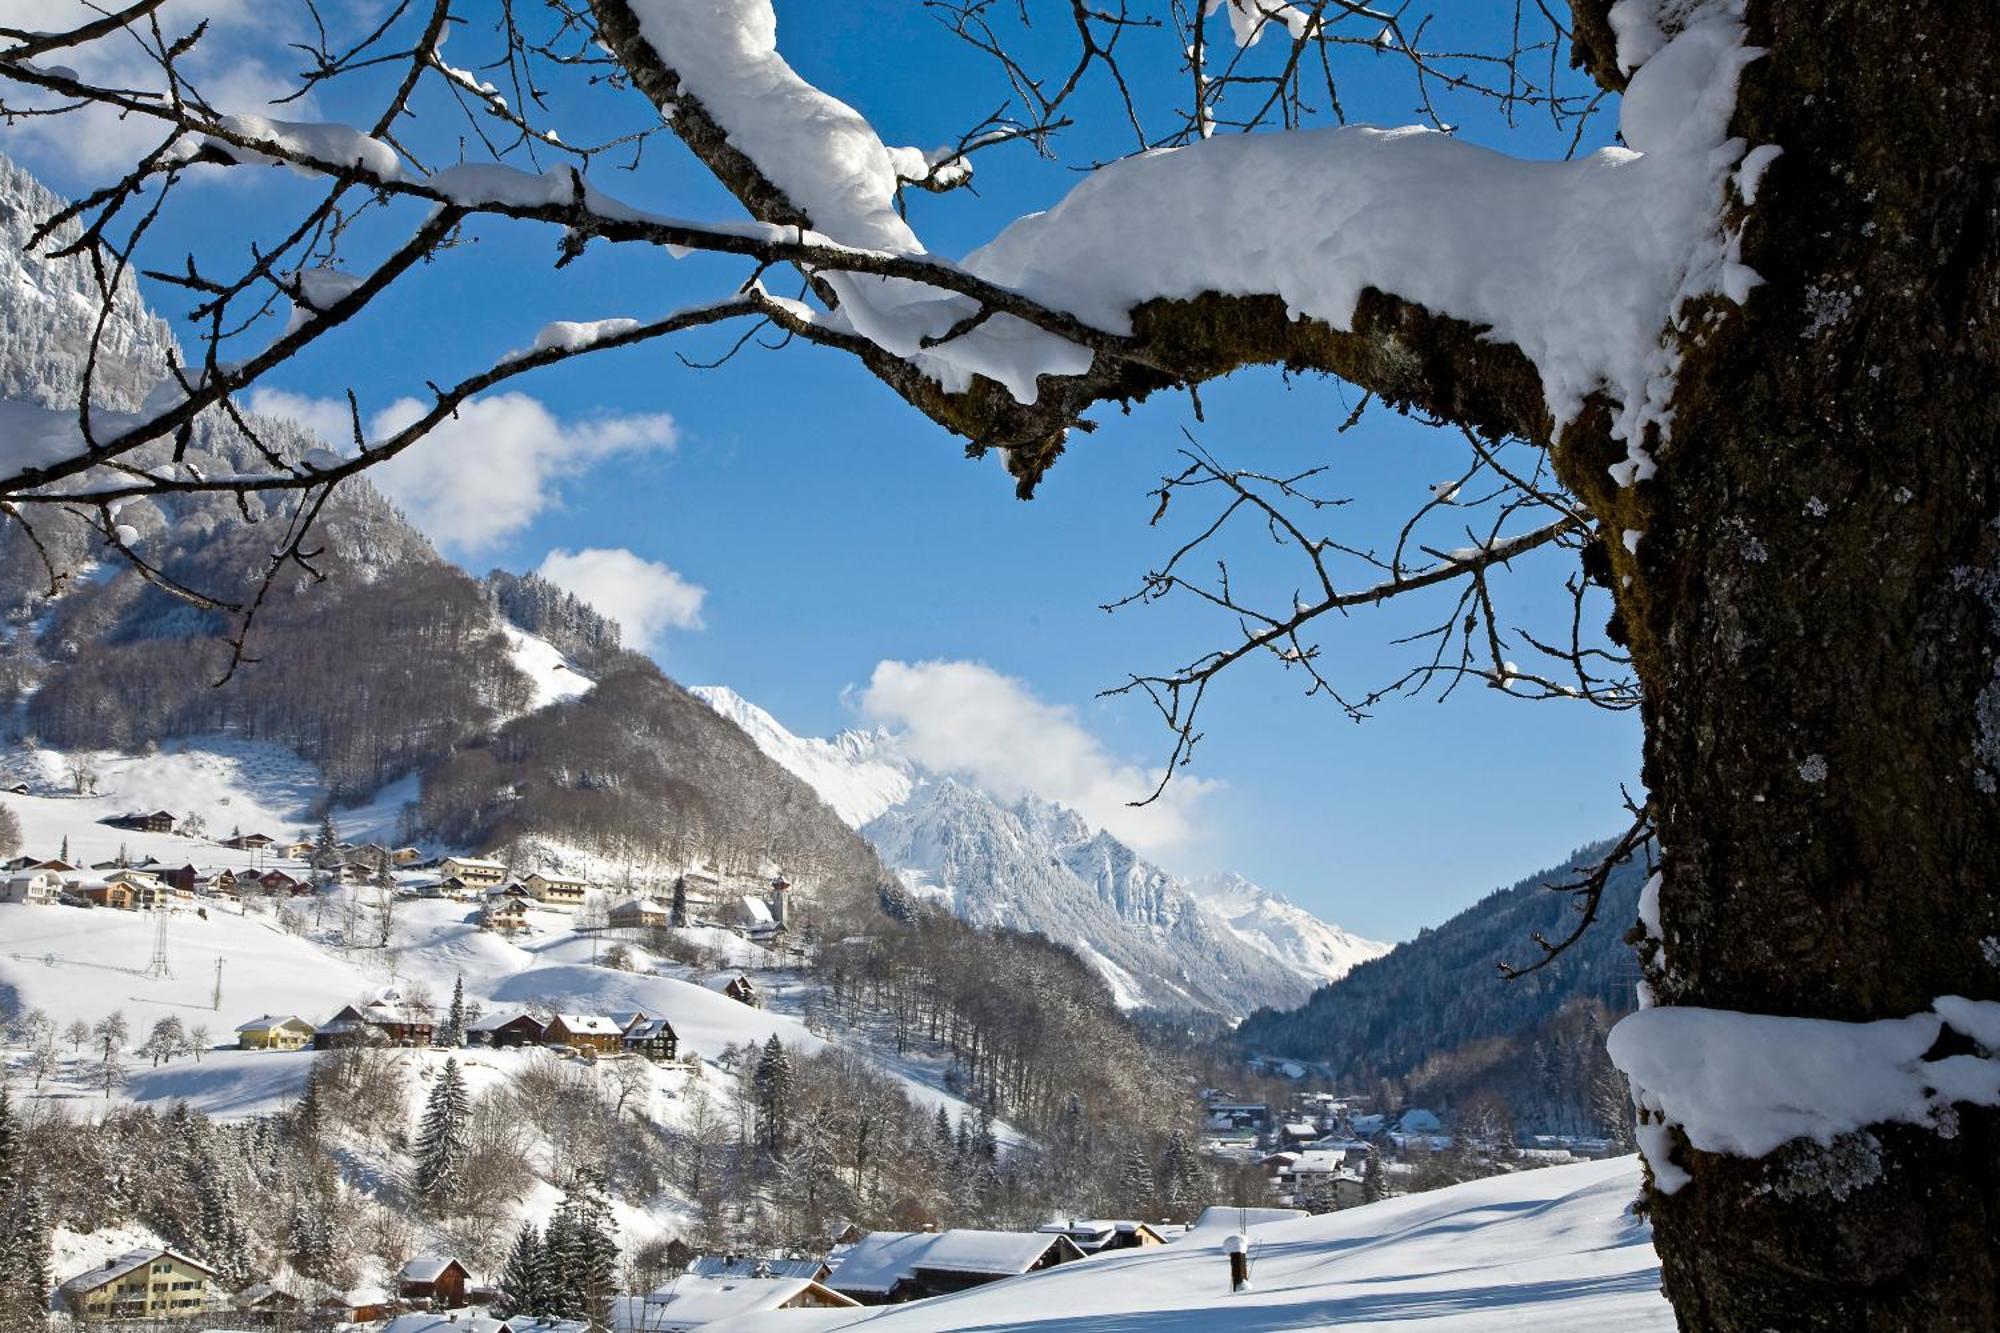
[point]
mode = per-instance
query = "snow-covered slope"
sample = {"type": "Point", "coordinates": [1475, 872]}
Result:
{"type": "Point", "coordinates": [1553, 1249]}
{"type": "Point", "coordinates": [1222, 944]}
{"type": "Point", "coordinates": [554, 676]}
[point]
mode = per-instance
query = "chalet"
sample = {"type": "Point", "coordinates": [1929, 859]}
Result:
{"type": "Point", "coordinates": [37, 888]}
{"type": "Point", "coordinates": [349, 1027]}
{"type": "Point", "coordinates": [268, 1304]}
{"type": "Point", "coordinates": [15, 788]}
{"type": "Point", "coordinates": [746, 1265]}
{"type": "Point", "coordinates": [653, 1038]}
{"type": "Point", "coordinates": [405, 856]}
{"type": "Point", "coordinates": [157, 821]}
{"type": "Point", "coordinates": [742, 990]}
{"type": "Point", "coordinates": [121, 896]}
{"type": "Point", "coordinates": [57, 864]}
{"type": "Point", "coordinates": [556, 890]}
{"type": "Point", "coordinates": [374, 1024]}
{"type": "Point", "coordinates": [506, 1028]}
{"type": "Point", "coordinates": [1101, 1235]}
{"type": "Point", "coordinates": [504, 914]}
{"type": "Point", "coordinates": [692, 1301]}
{"type": "Point", "coordinates": [888, 1267]}
{"type": "Point", "coordinates": [349, 872]}
{"type": "Point", "coordinates": [150, 1283]}
{"type": "Point", "coordinates": [483, 874]}
{"type": "Point", "coordinates": [1299, 1132]}
{"type": "Point", "coordinates": [363, 1305]}
{"type": "Point", "coordinates": [583, 1032]}
{"type": "Point", "coordinates": [274, 1032]}
{"type": "Point", "coordinates": [250, 842]}
{"type": "Point", "coordinates": [439, 1279]}
{"type": "Point", "coordinates": [301, 850]}
{"type": "Point", "coordinates": [277, 881]}
{"type": "Point", "coordinates": [639, 913]}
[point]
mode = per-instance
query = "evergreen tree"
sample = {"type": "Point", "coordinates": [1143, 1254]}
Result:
{"type": "Point", "coordinates": [1136, 1186]}
{"type": "Point", "coordinates": [64, 854]}
{"type": "Point", "coordinates": [522, 1289]}
{"type": "Point", "coordinates": [453, 1034]}
{"type": "Point", "coordinates": [580, 1253]}
{"type": "Point", "coordinates": [442, 1141]}
{"type": "Point", "coordinates": [774, 1079]}
{"type": "Point", "coordinates": [308, 1117]}
{"type": "Point", "coordinates": [1183, 1182]}
{"type": "Point", "coordinates": [312, 1236]}
{"type": "Point", "coordinates": [677, 913]}
{"type": "Point", "coordinates": [326, 846]}
{"type": "Point", "coordinates": [1374, 1184]}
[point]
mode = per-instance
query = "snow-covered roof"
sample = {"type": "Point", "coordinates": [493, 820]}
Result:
{"type": "Point", "coordinates": [649, 1028]}
{"type": "Point", "coordinates": [757, 910]}
{"type": "Point", "coordinates": [474, 863]}
{"type": "Point", "coordinates": [1302, 1129]}
{"type": "Point", "coordinates": [493, 1022]}
{"type": "Point", "coordinates": [589, 1024]}
{"type": "Point", "coordinates": [1226, 1219]}
{"type": "Point", "coordinates": [426, 1267]}
{"type": "Point", "coordinates": [271, 1021]}
{"type": "Point", "coordinates": [90, 1279]}
{"type": "Point", "coordinates": [747, 1265]}
{"type": "Point", "coordinates": [648, 906]}
{"type": "Point", "coordinates": [881, 1259]}
{"type": "Point", "coordinates": [426, 1323]}
{"type": "Point", "coordinates": [691, 1300]}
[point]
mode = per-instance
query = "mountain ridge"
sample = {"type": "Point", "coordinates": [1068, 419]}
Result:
{"type": "Point", "coordinates": [1161, 941]}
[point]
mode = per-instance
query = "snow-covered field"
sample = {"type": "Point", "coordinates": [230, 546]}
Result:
{"type": "Point", "coordinates": [1551, 1249]}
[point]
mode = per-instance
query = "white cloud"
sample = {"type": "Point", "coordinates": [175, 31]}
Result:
{"type": "Point", "coordinates": [968, 719]}
{"type": "Point", "coordinates": [228, 67]}
{"type": "Point", "coordinates": [486, 473]}
{"type": "Point", "coordinates": [644, 596]}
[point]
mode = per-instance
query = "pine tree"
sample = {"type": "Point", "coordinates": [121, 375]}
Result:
{"type": "Point", "coordinates": [1136, 1186]}
{"type": "Point", "coordinates": [1183, 1182]}
{"type": "Point", "coordinates": [522, 1289]}
{"type": "Point", "coordinates": [326, 846]}
{"type": "Point", "coordinates": [1374, 1184]}
{"type": "Point", "coordinates": [308, 1117]}
{"type": "Point", "coordinates": [312, 1236]}
{"type": "Point", "coordinates": [580, 1252]}
{"type": "Point", "coordinates": [453, 1034]}
{"type": "Point", "coordinates": [443, 1141]}
{"type": "Point", "coordinates": [677, 914]}
{"type": "Point", "coordinates": [773, 1079]}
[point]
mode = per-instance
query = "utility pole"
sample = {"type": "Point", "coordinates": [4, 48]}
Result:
{"type": "Point", "coordinates": [217, 1005]}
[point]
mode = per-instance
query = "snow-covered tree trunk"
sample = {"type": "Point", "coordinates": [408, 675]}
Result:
{"type": "Point", "coordinates": [1815, 611]}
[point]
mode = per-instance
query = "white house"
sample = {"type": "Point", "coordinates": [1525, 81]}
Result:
{"type": "Point", "coordinates": [36, 888]}
{"type": "Point", "coordinates": [473, 870]}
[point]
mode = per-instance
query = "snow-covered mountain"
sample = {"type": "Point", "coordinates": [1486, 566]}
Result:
{"type": "Point", "coordinates": [1222, 944]}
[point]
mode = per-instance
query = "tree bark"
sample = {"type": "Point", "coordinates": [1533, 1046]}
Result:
{"type": "Point", "coordinates": [1815, 613]}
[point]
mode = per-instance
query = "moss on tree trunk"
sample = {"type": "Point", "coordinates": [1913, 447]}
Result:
{"type": "Point", "coordinates": [1815, 609]}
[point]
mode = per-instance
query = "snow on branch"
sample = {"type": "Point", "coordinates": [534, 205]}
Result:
{"type": "Point", "coordinates": [1747, 1084]}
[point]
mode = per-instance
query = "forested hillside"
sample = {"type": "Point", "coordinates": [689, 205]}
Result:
{"type": "Point", "coordinates": [1433, 1018]}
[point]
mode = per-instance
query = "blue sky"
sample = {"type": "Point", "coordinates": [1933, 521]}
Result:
{"type": "Point", "coordinates": [832, 528]}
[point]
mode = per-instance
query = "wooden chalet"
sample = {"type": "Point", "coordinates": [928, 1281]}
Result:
{"type": "Point", "coordinates": [250, 842]}
{"type": "Point", "coordinates": [278, 881]}
{"type": "Point", "coordinates": [743, 990]}
{"type": "Point", "coordinates": [155, 821]}
{"type": "Point", "coordinates": [506, 1028]}
{"type": "Point", "coordinates": [363, 1305]}
{"type": "Point", "coordinates": [692, 1301]}
{"type": "Point", "coordinates": [506, 915]}
{"type": "Point", "coordinates": [438, 1279]}
{"type": "Point", "coordinates": [653, 1038]}
{"type": "Point", "coordinates": [584, 1032]}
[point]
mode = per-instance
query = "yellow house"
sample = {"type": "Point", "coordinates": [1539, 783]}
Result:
{"type": "Point", "coordinates": [274, 1032]}
{"type": "Point", "coordinates": [556, 890]}
{"type": "Point", "coordinates": [141, 1284]}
